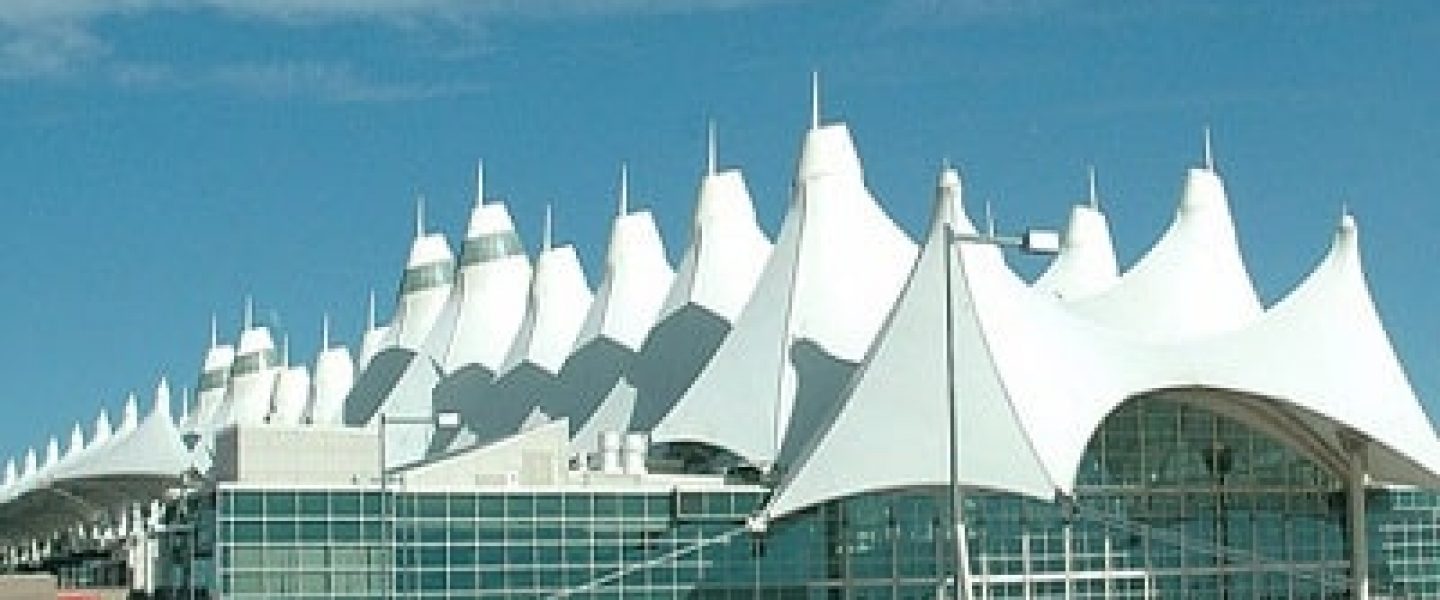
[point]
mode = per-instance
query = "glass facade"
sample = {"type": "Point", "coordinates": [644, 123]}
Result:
{"type": "Point", "coordinates": [1173, 501]}
{"type": "Point", "coordinates": [1405, 542]}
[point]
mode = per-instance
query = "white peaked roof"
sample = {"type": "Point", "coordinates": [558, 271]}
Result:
{"type": "Point", "coordinates": [727, 247]}
{"type": "Point", "coordinates": [494, 277]}
{"type": "Point", "coordinates": [1086, 265]}
{"type": "Point", "coordinates": [292, 395]}
{"type": "Point", "coordinates": [429, 275]}
{"type": "Point", "coordinates": [837, 266]}
{"type": "Point", "coordinates": [490, 300]}
{"type": "Point", "coordinates": [373, 338]}
{"type": "Point", "coordinates": [152, 448]}
{"type": "Point", "coordinates": [716, 277]}
{"type": "Point", "coordinates": [137, 463]}
{"type": "Point", "coordinates": [591, 392]}
{"type": "Point", "coordinates": [398, 378]}
{"type": "Point", "coordinates": [558, 301]}
{"type": "Point", "coordinates": [1036, 379]}
{"type": "Point", "coordinates": [252, 379]}
{"type": "Point", "coordinates": [1192, 283]}
{"type": "Point", "coordinates": [635, 282]}
{"type": "Point", "coordinates": [334, 376]}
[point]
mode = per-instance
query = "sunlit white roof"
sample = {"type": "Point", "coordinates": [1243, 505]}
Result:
{"type": "Point", "coordinates": [836, 268]}
{"type": "Point", "coordinates": [334, 376]}
{"type": "Point", "coordinates": [591, 391]}
{"type": "Point", "coordinates": [716, 277]}
{"type": "Point", "coordinates": [136, 463]}
{"type": "Point", "coordinates": [494, 277]}
{"type": "Point", "coordinates": [1035, 378]}
{"type": "Point", "coordinates": [1086, 265]}
{"type": "Point", "coordinates": [1192, 283]}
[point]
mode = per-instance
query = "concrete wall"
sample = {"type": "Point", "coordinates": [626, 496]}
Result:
{"type": "Point", "coordinates": [297, 455]}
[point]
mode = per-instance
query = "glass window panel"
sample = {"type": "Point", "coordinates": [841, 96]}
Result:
{"type": "Point", "coordinates": [345, 503]}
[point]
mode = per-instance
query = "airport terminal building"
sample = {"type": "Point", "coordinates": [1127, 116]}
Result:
{"type": "Point", "coordinates": [839, 411]}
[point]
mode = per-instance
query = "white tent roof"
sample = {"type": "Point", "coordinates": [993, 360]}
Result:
{"type": "Point", "coordinates": [252, 379]}
{"type": "Point", "coordinates": [591, 392]}
{"type": "Point", "coordinates": [373, 338]}
{"type": "Point", "coordinates": [837, 266]}
{"type": "Point", "coordinates": [494, 276]}
{"type": "Point", "coordinates": [137, 463]}
{"type": "Point", "coordinates": [334, 376]}
{"type": "Point", "coordinates": [1036, 379]}
{"type": "Point", "coordinates": [727, 247]}
{"type": "Point", "coordinates": [1192, 283]}
{"type": "Point", "coordinates": [558, 301]}
{"type": "Point", "coordinates": [490, 295]}
{"type": "Point", "coordinates": [424, 289]}
{"type": "Point", "coordinates": [399, 378]}
{"type": "Point", "coordinates": [716, 276]}
{"type": "Point", "coordinates": [556, 307]}
{"type": "Point", "coordinates": [637, 277]}
{"type": "Point", "coordinates": [1086, 265]}
{"type": "Point", "coordinates": [292, 395]}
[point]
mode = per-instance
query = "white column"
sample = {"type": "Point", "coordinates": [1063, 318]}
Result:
{"type": "Point", "coordinates": [1354, 447]}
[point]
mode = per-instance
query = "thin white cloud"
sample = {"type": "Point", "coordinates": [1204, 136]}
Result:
{"type": "Point", "coordinates": [324, 81]}
{"type": "Point", "coordinates": [56, 38]}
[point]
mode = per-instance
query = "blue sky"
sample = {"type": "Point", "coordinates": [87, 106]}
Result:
{"type": "Point", "coordinates": [163, 159]}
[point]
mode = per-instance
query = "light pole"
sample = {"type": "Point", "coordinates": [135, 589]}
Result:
{"type": "Point", "coordinates": [1034, 241]}
{"type": "Point", "coordinates": [441, 420]}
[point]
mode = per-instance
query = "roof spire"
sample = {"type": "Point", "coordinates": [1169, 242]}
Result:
{"type": "Point", "coordinates": [624, 189]}
{"type": "Point", "coordinates": [419, 216]}
{"type": "Point", "coordinates": [710, 152]}
{"type": "Point", "coordinates": [479, 182]}
{"type": "Point", "coordinates": [1094, 190]}
{"type": "Point", "coordinates": [1209, 152]}
{"type": "Point", "coordinates": [546, 234]}
{"type": "Point", "coordinates": [989, 220]}
{"type": "Point", "coordinates": [370, 316]}
{"type": "Point", "coordinates": [214, 331]}
{"type": "Point", "coordinates": [815, 99]}
{"type": "Point", "coordinates": [285, 350]}
{"type": "Point", "coordinates": [249, 318]}
{"type": "Point", "coordinates": [325, 331]}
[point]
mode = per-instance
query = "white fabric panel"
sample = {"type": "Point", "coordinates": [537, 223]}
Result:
{"type": "Point", "coordinates": [838, 264]}
{"type": "Point", "coordinates": [1321, 354]}
{"type": "Point", "coordinates": [292, 396]}
{"type": "Point", "coordinates": [636, 280]}
{"type": "Point", "coordinates": [1192, 283]}
{"type": "Point", "coordinates": [888, 431]}
{"type": "Point", "coordinates": [416, 311]}
{"type": "Point", "coordinates": [334, 376]}
{"type": "Point", "coordinates": [716, 277]}
{"type": "Point", "coordinates": [371, 342]}
{"type": "Point", "coordinates": [727, 249]}
{"type": "Point", "coordinates": [493, 293]}
{"type": "Point", "coordinates": [1086, 264]}
{"type": "Point", "coordinates": [558, 302]}
{"type": "Point", "coordinates": [1324, 349]}
{"type": "Point", "coordinates": [248, 393]}
{"type": "Point", "coordinates": [209, 403]}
